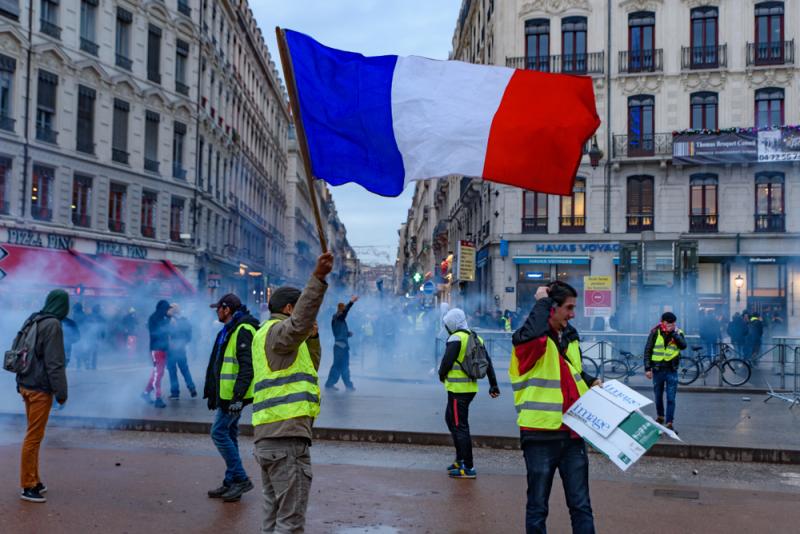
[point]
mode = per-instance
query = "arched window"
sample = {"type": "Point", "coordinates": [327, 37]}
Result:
{"type": "Point", "coordinates": [640, 203]}
{"type": "Point", "coordinates": [641, 41]}
{"type": "Point", "coordinates": [573, 209]}
{"type": "Point", "coordinates": [769, 33]}
{"type": "Point", "coordinates": [573, 44]}
{"type": "Point", "coordinates": [537, 44]}
{"type": "Point", "coordinates": [641, 124]}
{"type": "Point", "coordinates": [704, 111]}
{"type": "Point", "coordinates": [769, 202]}
{"type": "Point", "coordinates": [769, 107]}
{"type": "Point", "coordinates": [703, 203]}
{"type": "Point", "coordinates": [705, 37]}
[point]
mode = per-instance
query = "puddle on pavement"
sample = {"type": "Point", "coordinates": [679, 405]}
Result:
{"type": "Point", "coordinates": [373, 529]}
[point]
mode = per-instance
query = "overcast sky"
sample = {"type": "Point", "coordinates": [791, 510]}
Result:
{"type": "Point", "coordinates": [372, 27]}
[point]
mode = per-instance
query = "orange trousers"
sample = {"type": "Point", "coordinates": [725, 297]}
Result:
{"type": "Point", "coordinates": [37, 410]}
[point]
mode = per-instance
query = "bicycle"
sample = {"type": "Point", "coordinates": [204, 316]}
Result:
{"type": "Point", "coordinates": [615, 368]}
{"type": "Point", "coordinates": [733, 371]}
{"type": "Point", "coordinates": [590, 366]}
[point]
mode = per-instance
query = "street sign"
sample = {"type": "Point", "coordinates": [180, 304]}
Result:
{"type": "Point", "coordinates": [597, 298]}
{"type": "Point", "coordinates": [428, 288]}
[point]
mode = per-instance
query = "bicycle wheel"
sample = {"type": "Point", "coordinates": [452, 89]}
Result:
{"type": "Point", "coordinates": [688, 371]}
{"type": "Point", "coordinates": [735, 372]}
{"type": "Point", "coordinates": [613, 369]}
{"type": "Point", "coordinates": [590, 366]}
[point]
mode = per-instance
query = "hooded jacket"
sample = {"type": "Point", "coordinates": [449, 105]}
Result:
{"type": "Point", "coordinates": [244, 355]}
{"type": "Point", "coordinates": [455, 321]}
{"type": "Point", "coordinates": [47, 372]}
{"type": "Point", "coordinates": [158, 326]}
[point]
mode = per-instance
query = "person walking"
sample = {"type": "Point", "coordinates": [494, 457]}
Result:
{"type": "Point", "coordinates": [45, 378]}
{"type": "Point", "coordinates": [158, 326]}
{"type": "Point", "coordinates": [709, 333]}
{"type": "Point", "coordinates": [341, 347]}
{"type": "Point", "coordinates": [461, 391]}
{"type": "Point", "coordinates": [661, 357]}
{"type": "Point", "coordinates": [286, 360]}
{"type": "Point", "coordinates": [179, 338]}
{"type": "Point", "coordinates": [547, 378]}
{"type": "Point", "coordinates": [755, 335]}
{"type": "Point", "coordinates": [229, 388]}
{"type": "Point", "coordinates": [737, 330]}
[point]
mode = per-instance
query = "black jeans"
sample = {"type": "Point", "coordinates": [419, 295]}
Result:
{"type": "Point", "coordinates": [542, 458]}
{"type": "Point", "coordinates": [457, 418]}
{"type": "Point", "coordinates": [340, 367]}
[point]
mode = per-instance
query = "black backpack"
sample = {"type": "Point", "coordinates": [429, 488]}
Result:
{"type": "Point", "coordinates": [476, 359]}
{"type": "Point", "coordinates": [23, 350]}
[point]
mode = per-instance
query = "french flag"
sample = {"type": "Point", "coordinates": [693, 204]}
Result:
{"type": "Point", "coordinates": [385, 121]}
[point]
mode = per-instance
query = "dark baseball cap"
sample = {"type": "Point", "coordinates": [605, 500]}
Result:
{"type": "Point", "coordinates": [229, 301]}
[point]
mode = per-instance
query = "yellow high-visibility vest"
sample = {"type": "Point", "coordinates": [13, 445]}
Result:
{"type": "Point", "coordinates": [662, 352]}
{"type": "Point", "coordinates": [230, 366]}
{"type": "Point", "coordinates": [457, 380]}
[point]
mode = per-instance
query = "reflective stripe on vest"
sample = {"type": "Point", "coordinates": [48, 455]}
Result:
{"type": "Point", "coordinates": [537, 394]}
{"type": "Point", "coordinates": [663, 353]}
{"type": "Point", "coordinates": [284, 394]}
{"type": "Point", "coordinates": [457, 380]}
{"type": "Point", "coordinates": [230, 366]}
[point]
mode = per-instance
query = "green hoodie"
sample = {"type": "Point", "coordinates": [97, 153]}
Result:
{"type": "Point", "coordinates": [57, 304]}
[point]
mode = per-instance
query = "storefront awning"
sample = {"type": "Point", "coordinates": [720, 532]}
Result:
{"type": "Point", "coordinates": [160, 277]}
{"type": "Point", "coordinates": [552, 260]}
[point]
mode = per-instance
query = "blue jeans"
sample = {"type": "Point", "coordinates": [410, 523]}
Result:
{"type": "Point", "coordinates": [340, 367]}
{"type": "Point", "coordinates": [225, 434]}
{"type": "Point", "coordinates": [542, 458]}
{"type": "Point", "coordinates": [175, 362]}
{"type": "Point", "coordinates": [670, 380]}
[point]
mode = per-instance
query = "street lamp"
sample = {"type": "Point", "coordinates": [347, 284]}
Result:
{"type": "Point", "coordinates": [595, 154]}
{"type": "Point", "coordinates": [739, 283]}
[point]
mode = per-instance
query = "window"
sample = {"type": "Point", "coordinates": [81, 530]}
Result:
{"type": "Point", "coordinates": [703, 203]}
{"type": "Point", "coordinates": [769, 107]}
{"type": "Point", "coordinates": [81, 201]}
{"type": "Point", "coordinates": [119, 141]}
{"type": "Point", "coordinates": [704, 50]}
{"type": "Point", "coordinates": [176, 219]}
{"type": "Point", "coordinates": [573, 44]}
{"type": "Point", "coordinates": [181, 60]}
{"type": "Point", "coordinates": [85, 127]}
{"type": "Point", "coordinates": [5, 178]}
{"type": "Point", "coordinates": [641, 41]}
{"type": "Point", "coordinates": [769, 202]}
{"type": "Point", "coordinates": [116, 208]}
{"type": "Point", "coordinates": [124, 21]}
{"type": "Point", "coordinates": [178, 141]}
{"type": "Point", "coordinates": [218, 176]}
{"type": "Point", "coordinates": [46, 107]}
{"type": "Point", "coordinates": [154, 54]}
{"type": "Point", "coordinates": [209, 187]}
{"type": "Point", "coordinates": [640, 203]}
{"type": "Point", "coordinates": [89, 26]}
{"type": "Point", "coordinates": [769, 33]}
{"type": "Point", "coordinates": [48, 18]}
{"type": "Point", "coordinates": [704, 111]}
{"type": "Point", "coordinates": [149, 206]}
{"type": "Point", "coordinates": [41, 193]}
{"type": "Point", "coordinates": [10, 9]}
{"type": "Point", "coordinates": [573, 209]}
{"type": "Point", "coordinates": [183, 8]}
{"type": "Point", "coordinates": [151, 124]}
{"type": "Point", "coordinates": [7, 67]}
{"type": "Point", "coordinates": [537, 44]}
{"type": "Point", "coordinates": [534, 213]}
{"type": "Point", "coordinates": [201, 146]}
{"type": "Point", "coordinates": [641, 111]}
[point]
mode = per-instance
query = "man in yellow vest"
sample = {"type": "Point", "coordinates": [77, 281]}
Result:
{"type": "Point", "coordinates": [228, 388]}
{"type": "Point", "coordinates": [661, 356]}
{"type": "Point", "coordinates": [286, 360]}
{"type": "Point", "coordinates": [547, 378]}
{"type": "Point", "coordinates": [461, 390]}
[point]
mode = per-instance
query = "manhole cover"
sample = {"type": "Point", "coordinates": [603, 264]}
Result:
{"type": "Point", "coordinates": [676, 494]}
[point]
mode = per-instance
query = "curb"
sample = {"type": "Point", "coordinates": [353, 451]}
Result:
{"type": "Point", "coordinates": [663, 450]}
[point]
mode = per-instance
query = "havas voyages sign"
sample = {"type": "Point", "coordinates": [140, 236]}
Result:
{"type": "Point", "coordinates": [709, 149]}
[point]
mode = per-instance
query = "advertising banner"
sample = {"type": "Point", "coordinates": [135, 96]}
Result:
{"type": "Point", "coordinates": [710, 149]}
{"type": "Point", "coordinates": [597, 297]}
{"type": "Point", "coordinates": [466, 261]}
{"type": "Point", "coordinates": [779, 145]}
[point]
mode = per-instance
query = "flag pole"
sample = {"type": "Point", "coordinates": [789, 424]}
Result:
{"type": "Point", "coordinates": [288, 73]}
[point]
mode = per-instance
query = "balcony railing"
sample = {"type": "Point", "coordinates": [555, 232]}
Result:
{"type": "Point", "coordinates": [773, 53]}
{"type": "Point", "coordinates": [85, 146]}
{"type": "Point", "coordinates": [184, 9]}
{"type": "Point", "coordinates": [591, 63]}
{"type": "Point", "coordinates": [89, 46]}
{"type": "Point", "coordinates": [175, 235]}
{"type": "Point", "coordinates": [703, 224]}
{"type": "Point", "coordinates": [631, 61]}
{"type": "Point", "coordinates": [81, 219]}
{"type": "Point", "coordinates": [148, 231]}
{"type": "Point", "coordinates": [120, 156]}
{"type": "Point", "coordinates": [534, 225]}
{"type": "Point", "coordinates": [41, 213]}
{"type": "Point", "coordinates": [151, 165]}
{"type": "Point", "coordinates": [182, 88]}
{"type": "Point", "coordinates": [772, 222]}
{"type": "Point", "coordinates": [178, 172]}
{"type": "Point", "coordinates": [643, 146]}
{"type": "Point", "coordinates": [7, 123]}
{"type": "Point", "coordinates": [48, 28]}
{"type": "Point", "coordinates": [47, 135]}
{"type": "Point", "coordinates": [116, 226]}
{"type": "Point", "coordinates": [572, 225]}
{"type": "Point", "coordinates": [640, 222]}
{"type": "Point", "coordinates": [124, 62]}
{"type": "Point", "coordinates": [704, 57]}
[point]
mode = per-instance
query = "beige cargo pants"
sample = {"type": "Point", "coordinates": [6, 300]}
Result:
{"type": "Point", "coordinates": [286, 482]}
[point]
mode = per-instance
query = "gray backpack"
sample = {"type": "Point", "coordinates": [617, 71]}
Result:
{"type": "Point", "coordinates": [476, 359]}
{"type": "Point", "coordinates": [23, 351]}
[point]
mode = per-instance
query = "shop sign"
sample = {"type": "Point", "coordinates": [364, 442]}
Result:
{"type": "Point", "coordinates": [29, 238]}
{"type": "Point", "coordinates": [214, 280]}
{"type": "Point", "coordinates": [534, 275]}
{"type": "Point", "coordinates": [509, 289]}
{"type": "Point", "coordinates": [121, 251]}
{"type": "Point", "coordinates": [582, 248]}
{"type": "Point", "coordinates": [779, 145]}
{"type": "Point", "coordinates": [466, 261]}
{"type": "Point", "coordinates": [763, 260]}
{"type": "Point", "coordinates": [597, 297]}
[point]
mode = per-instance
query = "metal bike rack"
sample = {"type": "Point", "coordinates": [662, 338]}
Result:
{"type": "Point", "coordinates": [792, 398]}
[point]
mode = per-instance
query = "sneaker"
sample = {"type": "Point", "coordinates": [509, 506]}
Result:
{"type": "Point", "coordinates": [159, 403]}
{"type": "Point", "coordinates": [669, 425]}
{"type": "Point", "coordinates": [41, 488]}
{"type": "Point", "coordinates": [32, 495]}
{"type": "Point", "coordinates": [236, 491]}
{"type": "Point", "coordinates": [193, 393]}
{"type": "Point", "coordinates": [146, 397]}
{"type": "Point", "coordinates": [455, 465]}
{"type": "Point", "coordinates": [218, 492]}
{"type": "Point", "coordinates": [174, 396]}
{"type": "Point", "coordinates": [660, 420]}
{"type": "Point", "coordinates": [351, 388]}
{"type": "Point", "coordinates": [463, 472]}
{"type": "Point", "coordinates": [331, 388]}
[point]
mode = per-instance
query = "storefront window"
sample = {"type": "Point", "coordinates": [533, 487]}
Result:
{"type": "Point", "coordinates": [709, 280]}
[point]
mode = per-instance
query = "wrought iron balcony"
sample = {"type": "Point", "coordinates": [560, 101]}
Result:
{"type": "Point", "coordinates": [633, 61]}
{"type": "Point", "coordinates": [41, 213]}
{"type": "Point", "coordinates": [643, 146]}
{"type": "Point", "coordinates": [639, 222]}
{"type": "Point", "coordinates": [81, 219]}
{"type": "Point", "coordinates": [178, 172]}
{"type": "Point", "coordinates": [534, 225]}
{"type": "Point", "coordinates": [591, 63]}
{"type": "Point", "coordinates": [182, 88]}
{"type": "Point", "coordinates": [7, 123]}
{"type": "Point", "coordinates": [704, 57]}
{"type": "Point", "coordinates": [124, 62]}
{"type": "Point", "coordinates": [773, 53]}
{"type": "Point", "coordinates": [47, 135]}
{"type": "Point", "coordinates": [148, 231]}
{"type": "Point", "coordinates": [572, 224]}
{"type": "Point", "coordinates": [85, 145]}
{"type": "Point", "coordinates": [703, 224]}
{"type": "Point", "coordinates": [120, 156]}
{"type": "Point", "coordinates": [151, 165]}
{"type": "Point", "coordinates": [89, 46]}
{"type": "Point", "coordinates": [771, 222]}
{"type": "Point", "coordinates": [116, 226]}
{"type": "Point", "coordinates": [48, 28]}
